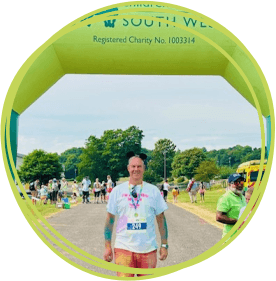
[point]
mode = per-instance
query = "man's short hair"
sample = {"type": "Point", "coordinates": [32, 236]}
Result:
{"type": "Point", "coordinates": [136, 156]}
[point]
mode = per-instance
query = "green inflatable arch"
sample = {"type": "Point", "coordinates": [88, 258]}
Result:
{"type": "Point", "coordinates": [126, 43]}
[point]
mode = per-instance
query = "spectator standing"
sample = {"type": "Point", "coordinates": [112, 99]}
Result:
{"type": "Point", "coordinates": [50, 190]}
{"type": "Point", "coordinates": [64, 187]}
{"type": "Point", "coordinates": [55, 191]}
{"type": "Point", "coordinates": [248, 195]}
{"type": "Point", "coordinates": [43, 194]}
{"type": "Point", "coordinates": [97, 188]}
{"type": "Point", "coordinates": [86, 183]}
{"type": "Point", "coordinates": [230, 203]}
{"type": "Point", "coordinates": [34, 190]}
{"type": "Point", "coordinates": [103, 192]}
{"type": "Point", "coordinates": [202, 190]}
{"type": "Point", "coordinates": [59, 191]}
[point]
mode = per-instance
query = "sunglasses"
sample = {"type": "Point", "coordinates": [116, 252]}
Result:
{"type": "Point", "coordinates": [238, 182]}
{"type": "Point", "coordinates": [133, 192]}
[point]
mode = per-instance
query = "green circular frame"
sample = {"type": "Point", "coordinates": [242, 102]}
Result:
{"type": "Point", "coordinates": [52, 234]}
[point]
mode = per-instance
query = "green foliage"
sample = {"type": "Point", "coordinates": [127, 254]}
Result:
{"type": "Point", "coordinates": [40, 165]}
{"type": "Point", "coordinates": [233, 156]}
{"type": "Point", "coordinates": [156, 163]}
{"type": "Point", "coordinates": [151, 177]}
{"type": "Point", "coordinates": [70, 158]}
{"type": "Point", "coordinates": [226, 171]}
{"type": "Point", "coordinates": [180, 179]}
{"type": "Point", "coordinates": [185, 163]}
{"type": "Point", "coordinates": [107, 155]}
{"type": "Point", "coordinates": [216, 187]}
{"type": "Point", "coordinates": [206, 171]}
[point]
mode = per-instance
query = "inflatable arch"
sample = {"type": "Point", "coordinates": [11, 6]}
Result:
{"type": "Point", "coordinates": [150, 39]}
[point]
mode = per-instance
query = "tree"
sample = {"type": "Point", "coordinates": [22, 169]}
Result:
{"type": "Point", "coordinates": [185, 163]}
{"type": "Point", "coordinates": [70, 158]}
{"type": "Point", "coordinates": [40, 165]}
{"type": "Point", "coordinates": [156, 164]}
{"type": "Point", "coordinates": [226, 171]}
{"type": "Point", "coordinates": [206, 171]}
{"type": "Point", "coordinates": [107, 155]}
{"type": "Point", "coordinates": [151, 177]}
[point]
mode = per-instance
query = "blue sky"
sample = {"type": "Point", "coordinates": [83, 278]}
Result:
{"type": "Point", "coordinates": [192, 111]}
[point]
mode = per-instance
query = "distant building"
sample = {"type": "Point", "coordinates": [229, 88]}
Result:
{"type": "Point", "coordinates": [19, 160]}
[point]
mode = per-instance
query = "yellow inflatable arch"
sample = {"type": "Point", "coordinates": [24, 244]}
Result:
{"type": "Point", "coordinates": [140, 39]}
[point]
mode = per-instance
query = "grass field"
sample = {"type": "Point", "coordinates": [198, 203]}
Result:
{"type": "Point", "coordinates": [48, 210]}
{"type": "Point", "coordinates": [211, 199]}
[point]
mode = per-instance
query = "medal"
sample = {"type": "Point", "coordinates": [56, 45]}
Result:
{"type": "Point", "coordinates": [135, 215]}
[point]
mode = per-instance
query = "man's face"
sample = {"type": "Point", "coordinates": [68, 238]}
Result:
{"type": "Point", "coordinates": [136, 169]}
{"type": "Point", "coordinates": [237, 186]}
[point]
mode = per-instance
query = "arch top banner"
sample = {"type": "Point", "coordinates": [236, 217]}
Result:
{"type": "Point", "coordinates": [144, 39]}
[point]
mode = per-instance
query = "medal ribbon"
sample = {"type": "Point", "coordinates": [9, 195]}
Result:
{"type": "Point", "coordinates": [135, 206]}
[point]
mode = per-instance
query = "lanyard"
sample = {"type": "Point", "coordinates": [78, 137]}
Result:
{"type": "Point", "coordinates": [135, 206]}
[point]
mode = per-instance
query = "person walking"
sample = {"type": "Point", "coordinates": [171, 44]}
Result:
{"type": "Point", "coordinates": [192, 190]}
{"type": "Point", "coordinates": [230, 203]}
{"type": "Point", "coordinates": [175, 193]}
{"type": "Point", "coordinates": [86, 183]}
{"type": "Point", "coordinates": [108, 187]}
{"type": "Point", "coordinates": [165, 189]}
{"type": "Point", "coordinates": [97, 189]}
{"type": "Point", "coordinates": [136, 204]}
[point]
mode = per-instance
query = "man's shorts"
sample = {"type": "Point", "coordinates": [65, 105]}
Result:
{"type": "Point", "coordinates": [97, 193]}
{"type": "Point", "coordinates": [135, 260]}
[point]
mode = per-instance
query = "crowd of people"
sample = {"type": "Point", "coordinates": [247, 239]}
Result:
{"type": "Point", "coordinates": [54, 190]}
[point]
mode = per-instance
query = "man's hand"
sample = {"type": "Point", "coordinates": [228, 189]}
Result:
{"type": "Point", "coordinates": [163, 253]}
{"type": "Point", "coordinates": [108, 254]}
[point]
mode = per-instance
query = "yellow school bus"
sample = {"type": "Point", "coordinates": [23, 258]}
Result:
{"type": "Point", "coordinates": [249, 170]}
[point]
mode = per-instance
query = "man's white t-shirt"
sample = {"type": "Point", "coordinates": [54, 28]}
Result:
{"type": "Point", "coordinates": [85, 184]}
{"type": "Point", "coordinates": [97, 189]}
{"type": "Point", "coordinates": [166, 186]}
{"type": "Point", "coordinates": [151, 204]}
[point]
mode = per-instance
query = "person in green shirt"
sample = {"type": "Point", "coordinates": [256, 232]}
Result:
{"type": "Point", "coordinates": [230, 203]}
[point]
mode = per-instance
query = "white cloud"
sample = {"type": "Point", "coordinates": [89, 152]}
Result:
{"type": "Point", "coordinates": [174, 107]}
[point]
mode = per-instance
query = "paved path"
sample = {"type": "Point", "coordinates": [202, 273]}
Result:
{"type": "Point", "coordinates": [83, 225]}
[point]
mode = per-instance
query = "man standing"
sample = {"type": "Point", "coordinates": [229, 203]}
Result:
{"type": "Point", "coordinates": [86, 183]}
{"type": "Point", "coordinates": [230, 203]}
{"type": "Point", "coordinates": [136, 203]}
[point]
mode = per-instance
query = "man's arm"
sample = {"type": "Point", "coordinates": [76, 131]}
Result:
{"type": "Point", "coordinates": [222, 217]}
{"type": "Point", "coordinates": [163, 229]}
{"type": "Point", "coordinates": [108, 228]}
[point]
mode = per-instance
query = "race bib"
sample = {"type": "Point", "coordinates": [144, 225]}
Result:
{"type": "Point", "coordinates": [136, 225]}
